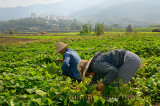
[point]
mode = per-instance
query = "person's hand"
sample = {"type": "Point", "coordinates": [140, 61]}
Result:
{"type": "Point", "coordinates": [100, 86]}
{"type": "Point", "coordinates": [73, 82]}
{"type": "Point", "coordinates": [61, 60]}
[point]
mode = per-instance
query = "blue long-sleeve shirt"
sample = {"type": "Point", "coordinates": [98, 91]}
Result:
{"type": "Point", "coordinates": [70, 62]}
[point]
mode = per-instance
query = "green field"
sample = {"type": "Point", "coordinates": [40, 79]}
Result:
{"type": "Point", "coordinates": [135, 29]}
{"type": "Point", "coordinates": [30, 73]}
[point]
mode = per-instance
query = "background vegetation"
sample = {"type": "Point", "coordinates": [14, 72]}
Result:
{"type": "Point", "coordinates": [39, 25]}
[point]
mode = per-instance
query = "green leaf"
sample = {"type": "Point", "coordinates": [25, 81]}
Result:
{"type": "Point", "coordinates": [96, 98]}
{"type": "Point", "coordinates": [21, 84]}
{"type": "Point", "coordinates": [30, 90]}
{"type": "Point", "coordinates": [113, 99]}
{"type": "Point", "coordinates": [136, 103]}
{"type": "Point", "coordinates": [102, 100]}
{"type": "Point", "coordinates": [136, 89]}
{"type": "Point", "coordinates": [139, 93]}
{"type": "Point", "coordinates": [47, 74]}
{"type": "Point", "coordinates": [7, 78]}
{"type": "Point", "coordinates": [48, 101]}
{"type": "Point", "coordinates": [38, 100]}
{"type": "Point", "coordinates": [40, 92]}
{"type": "Point", "coordinates": [1, 83]}
{"type": "Point", "coordinates": [43, 98]}
{"type": "Point", "coordinates": [21, 79]}
{"type": "Point", "coordinates": [11, 102]}
{"type": "Point", "coordinates": [99, 103]}
{"type": "Point", "coordinates": [13, 91]}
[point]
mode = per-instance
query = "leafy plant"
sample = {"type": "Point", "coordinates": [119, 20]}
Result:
{"type": "Point", "coordinates": [31, 75]}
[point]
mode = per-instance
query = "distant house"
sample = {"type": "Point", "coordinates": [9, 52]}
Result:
{"type": "Point", "coordinates": [156, 30]}
{"type": "Point", "coordinates": [46, 17]}
{"type": "Point", "coordinates": [50, 17]}
{"type": "Point", "coordinates": [57, 18]}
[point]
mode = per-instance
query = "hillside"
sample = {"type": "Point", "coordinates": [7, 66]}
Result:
{"type": "Point", "coordinates": [63, 8]}
{"type": "Point", "coordinates": [136, 13]}
{"type": "Point", "coordinates": [13, 13]}
{"type": "Point", "coordinates": [93, 9]}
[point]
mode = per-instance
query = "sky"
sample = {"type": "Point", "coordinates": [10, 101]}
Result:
{"type": "Point", "coordinates": [14, 3]}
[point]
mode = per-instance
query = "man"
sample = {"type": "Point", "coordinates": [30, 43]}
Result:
{"type": "Point", "coordinates": [112, 66]}
{"type": "Point", "coordinates": [70, 61]}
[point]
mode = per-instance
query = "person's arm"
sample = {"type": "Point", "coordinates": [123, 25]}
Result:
{"type": "Point", "coordinates": [109, 71]}
{"type": "Point", "coordinates": [61, 60]}
{"type": "Point", "coordinates": [111, 75]}
{"type": "Point", "coordinates": [65, 65]}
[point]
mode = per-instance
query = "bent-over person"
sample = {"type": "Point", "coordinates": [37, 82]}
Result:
{"type": "Point", "coordinates": [70, 61]}
{"type": "Point", "coordinates": [111, 66]}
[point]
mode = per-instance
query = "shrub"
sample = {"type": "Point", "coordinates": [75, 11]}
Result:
{"type": "Point", "coordinates": [86, 29]}
{"type": "Point", "coordinates": [129, 28]}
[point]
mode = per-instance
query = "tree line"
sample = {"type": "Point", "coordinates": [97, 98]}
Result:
{"type": "Point", "coordinates": [37, 25]}
{"type": "Point", "coordinates": [100, 28]}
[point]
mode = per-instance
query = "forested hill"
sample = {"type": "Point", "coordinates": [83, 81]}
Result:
{"type": "Point", "coordinates": [143, 12]}
{"type": "Point", "coordinates": [134, 12]}
{"type": "Point", "coordinates": [38, 24]}
{"type": "Point", "coordinates": [63, 8]}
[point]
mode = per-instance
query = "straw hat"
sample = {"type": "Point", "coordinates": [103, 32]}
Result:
{"type": "Point", "coordinates": [83, 64]}
{"type": "Point", "coordinates": [60, 46]}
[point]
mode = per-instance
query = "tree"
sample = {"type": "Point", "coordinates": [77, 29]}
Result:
{"type": "Point", "coordinates": [90, 28]}
{"type": "Point", "coordinates": [86, 29]}
{"type": "Point", "coordinates": [99, 29]}
{"type": "Point", "coordinates": [129, 28]}
{"type": "Point", "coordinates": [115, 25]}
{"type": "Point", "coordinates": [75, 25]}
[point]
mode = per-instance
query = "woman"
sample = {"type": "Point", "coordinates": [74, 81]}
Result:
{"type": "Point", "coordinates": [111, 66]}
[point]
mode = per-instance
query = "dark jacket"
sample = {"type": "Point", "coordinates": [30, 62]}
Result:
{"type": "Point", "coordinates": [106, 65]}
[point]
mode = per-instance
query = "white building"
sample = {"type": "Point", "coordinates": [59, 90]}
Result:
{"type": "Point", "coordinates": [50, 17]}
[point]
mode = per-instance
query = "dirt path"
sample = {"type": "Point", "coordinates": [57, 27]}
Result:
{"type": "Point", "coordinates": [9, 40]}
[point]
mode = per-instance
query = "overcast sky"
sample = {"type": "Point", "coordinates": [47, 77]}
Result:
{"type": "Point", "coordinates": [14, 3]}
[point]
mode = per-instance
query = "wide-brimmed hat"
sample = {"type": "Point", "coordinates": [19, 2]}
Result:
{"type": "Point", "coordinates": [60, 46]}
{"type": "Point", "coordinates": [81, 65]}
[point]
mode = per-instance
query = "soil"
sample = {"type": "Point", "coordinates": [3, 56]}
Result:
{"type": "Point", "coordinates": [9, 40]}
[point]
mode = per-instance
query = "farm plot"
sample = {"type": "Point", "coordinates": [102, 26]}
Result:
{"type": "Point", "coordinates": [30, 73]}
{"type": "Point", "coordinates": [9, 40]}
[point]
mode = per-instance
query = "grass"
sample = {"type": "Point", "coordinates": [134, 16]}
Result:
{"type": "Point", "coordinates": [144, 29]}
